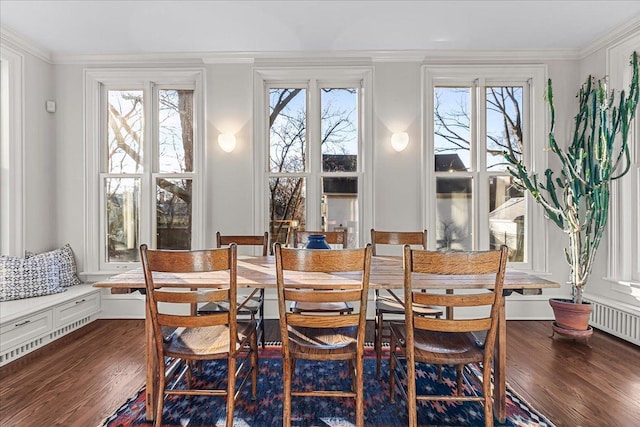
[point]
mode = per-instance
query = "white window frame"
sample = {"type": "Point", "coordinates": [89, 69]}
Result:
{"type": "Point", "coordinates": [312, 79]}
{"type": "Point", "coordinates": [12, 230]}
{"type": "Point", "coordinates": [623, 266]}
{"type": "Point", "coordinates": [534, 152]}
{"type": "Point", "coordinates": [97, 82]}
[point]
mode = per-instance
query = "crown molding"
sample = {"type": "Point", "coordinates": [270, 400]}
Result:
{"type": "Point", "coordinates": [612, 37]}
{"type": "Point", "coordinates": [16, 41]}
{"type": "Point", "coordinates": [322, 57]}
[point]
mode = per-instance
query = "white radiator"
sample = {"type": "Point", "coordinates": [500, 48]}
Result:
{"type": "Point", "coordinates": [616, 322]}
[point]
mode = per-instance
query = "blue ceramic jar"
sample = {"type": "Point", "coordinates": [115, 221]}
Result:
{"type": "Point", "coordinates": [317, 241]}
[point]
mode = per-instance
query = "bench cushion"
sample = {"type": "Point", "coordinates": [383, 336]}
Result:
{"type": "Point", "coordinates": [66, 260]}
{"type": "Point", "coordinates": [29, 277]}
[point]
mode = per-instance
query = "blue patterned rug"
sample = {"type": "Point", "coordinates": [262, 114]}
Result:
{"type": "Point", "coordinates": [266, 410]}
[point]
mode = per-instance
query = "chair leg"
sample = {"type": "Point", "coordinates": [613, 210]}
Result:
{"type": "Point", "coordinates": [262, 336]}
{"type": "Point", "coordinates": [360, 391]}
{"type": "Point", "coordinates": [254, 366]}
{"type": "Point", "coordinates": [459, 370]}
{"type": "Point", "coordinates": [231, 389]}
{"type": "Point", "coordinates": [488, 397]}
{"type": "Point", "coordinates": [411, 389]}
{"type": "Point", "coordinates": [287, 366]}
{"type": "Point", "coordinates": [157, 421]}
{"type": "Point", "coordinates": [378, 340]}
{"type": "Point", "coordinates": [392, 368]}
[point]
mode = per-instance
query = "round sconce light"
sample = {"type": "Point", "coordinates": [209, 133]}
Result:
{"type": "Point", "coordinates": [399, 141]}
{"type": "Point", "coordinates": [227, 142]}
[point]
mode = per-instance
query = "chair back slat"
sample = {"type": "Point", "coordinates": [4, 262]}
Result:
{"type": "Point", "coordinates": [456, 263]}
{"type": "Point", "coordinates": [322, 261]}
{"type": "Point", "coordinates": [316, 295]}
{"type": "Point", "coordinates": [444, 325]}
{"type": "Point", "coordinates": [197, 296]}
{"type": "Point", "coordinates": [450, 300]}
{"type": "Point", "coordinates": [322, 321]}
{"type": "Point", "coordinates": [244, 240]}
{"type": "Point", "coordinates": [168, 261]}
{"type": "Point", "coordinates": [179, 321]}
{"type": "Point", "coordinates": [413, 238]}
{"type": "Point", "coordinates": [300, 237]}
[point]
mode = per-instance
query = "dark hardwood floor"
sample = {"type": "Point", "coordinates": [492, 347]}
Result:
{"type": "Point", "coordinates": [84, 378]}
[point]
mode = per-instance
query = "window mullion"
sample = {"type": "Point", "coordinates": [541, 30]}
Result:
{"type": "Point", "coordinates": [147, 193]}
{"type": "Point", "coordinates": [481, 185]}
{"type": "Point", "coordinates": [314, 156]}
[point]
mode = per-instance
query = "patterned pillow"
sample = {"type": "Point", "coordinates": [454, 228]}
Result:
{"type": "Point", "coordinates": [66, 260]}
{"type": "Point", "coordinates": [28, 277]}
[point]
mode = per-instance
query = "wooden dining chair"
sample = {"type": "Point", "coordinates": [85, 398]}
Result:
{"type": "Point", "coordinates": [196, 338]}
{"type": "Point", "coordinates": [253, 303]}
{"type": "Point", "coordinates": [391, 303]}
{"type": "Point", "coordinates": [322, 336]}
{"type": "Point", "coordinates": [438, 341]}
{"type": "Point", "coordinates": [336, 238]}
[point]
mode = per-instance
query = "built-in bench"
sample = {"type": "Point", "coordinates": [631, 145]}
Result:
{"type": "Point", "coordinates": [28, 324]}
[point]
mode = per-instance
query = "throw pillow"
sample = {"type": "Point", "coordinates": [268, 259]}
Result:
{"type": "Point", "coordinates": [68, 269]}
{"type": "Point", "coordinates": [29, 277]}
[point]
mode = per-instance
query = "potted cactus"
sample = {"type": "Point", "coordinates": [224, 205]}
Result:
{"type": "Point", "coordinates": [577, 200]}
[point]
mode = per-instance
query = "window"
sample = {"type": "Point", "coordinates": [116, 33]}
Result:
{"type": "Point", "coordinates": [313, 152]}
{"type": "Point", "coordinates": [11, 153]}
{"type": "Point", "coordinates": [148, 163]}
{"type": "Point", "coordinates": [473, 116]}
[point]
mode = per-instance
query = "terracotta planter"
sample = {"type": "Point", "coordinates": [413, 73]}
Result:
{"type": "Point", "coordinates": [569, 315]}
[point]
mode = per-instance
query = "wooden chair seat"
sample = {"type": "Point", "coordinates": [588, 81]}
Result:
{"type": "Point", "coordinates": [321, 307]}
{"type": "Point", "coordinates": [205, 342]}
{"type": "Point", "coordinates": [442, 348]}
{"type": "Point", "coordinates": [309, 342]}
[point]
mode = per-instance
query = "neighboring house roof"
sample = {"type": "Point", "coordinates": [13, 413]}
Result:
{"type": "Point", "coordinates": [449, 162]}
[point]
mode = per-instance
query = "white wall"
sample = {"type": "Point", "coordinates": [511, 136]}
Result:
{"type": "Point", "coordinates": [40, 146]}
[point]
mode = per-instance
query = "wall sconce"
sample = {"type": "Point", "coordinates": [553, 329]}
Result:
{"type": "Point", "coordinates": [227, 142]}
{"type": "Point", "coordinates": [399, 141]}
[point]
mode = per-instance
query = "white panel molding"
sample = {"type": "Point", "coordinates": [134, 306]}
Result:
{"type": "Point", "coordinates": [19, 42]}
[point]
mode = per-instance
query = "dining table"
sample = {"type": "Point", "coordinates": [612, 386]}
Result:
{"type": "Point", "coordinates": [386, 273]}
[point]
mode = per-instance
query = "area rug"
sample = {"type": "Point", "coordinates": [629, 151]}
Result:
{"type": "Point", "coordinates": [266, 410]}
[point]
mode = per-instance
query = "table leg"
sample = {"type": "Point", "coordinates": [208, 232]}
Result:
{"type": "Point", "coordinates": [500, 367]}
{"type": "Point", "coordinates": [152, 379]}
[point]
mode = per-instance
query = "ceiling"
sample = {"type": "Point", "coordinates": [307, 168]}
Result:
{"type": "Point", "coordinates": [134, 27]}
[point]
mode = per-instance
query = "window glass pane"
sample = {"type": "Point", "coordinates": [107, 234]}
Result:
{"type": "Point", "coordinates": [287, 207]}
{"type": "Point", "coordinates": [173, 213]}
{"type": "Point", "coordinates": [339, 127]}
{"type": "Point", "coordinates": [175, 117]}
{"type": "Point", "coordinates": [125, 131]}
{"type": "Point", "coordinates": [454, 211]}
{"type": "Point", "coordinates": [452, 128]}
{"type": "Point", "coordinates": [287, 130]}
{"type": "Point", "coordinates": [504, 125]}
{"type": "Point", "coordinates": [340, 207]}
{"type": "Point", "coordinates": [122, 215]}
{"type": "Point", "coordinates": [506, 217]}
